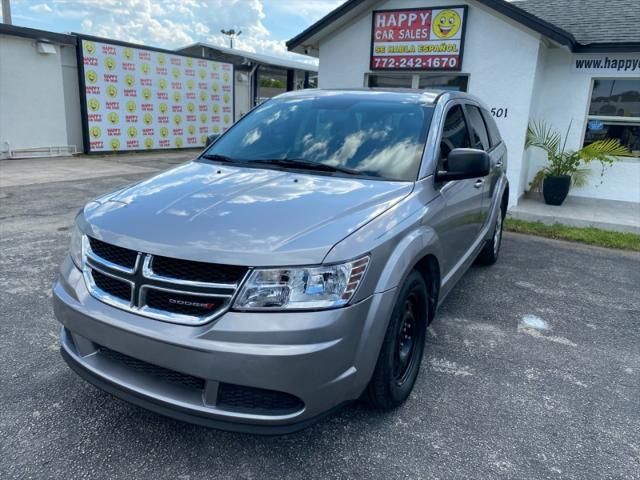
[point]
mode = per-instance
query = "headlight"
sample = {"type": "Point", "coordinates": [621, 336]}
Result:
{"type": "Point", "coordinates": [75, 250]}
{"type": "Point", "coordinates": [302, 288]}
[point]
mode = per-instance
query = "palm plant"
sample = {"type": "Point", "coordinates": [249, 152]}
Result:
{"type": "Point", "coordinates": [563, 162]}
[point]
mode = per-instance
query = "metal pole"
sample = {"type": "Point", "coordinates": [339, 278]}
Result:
{"type": "Point", "coordinates": [6, 12]}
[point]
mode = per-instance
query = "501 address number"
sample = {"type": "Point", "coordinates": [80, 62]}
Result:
{"type": "Point", "coordinates": [500, 112]}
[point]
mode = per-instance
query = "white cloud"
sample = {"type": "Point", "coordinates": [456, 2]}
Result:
{"type": "Point", "coordinates": [175, 23]}
{"type": "Point", "coordinates": [40, 8]}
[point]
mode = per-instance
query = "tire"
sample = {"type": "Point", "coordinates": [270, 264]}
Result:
{"type": "Point", "coordinates": [491, 250]}
{"type": "Point", "coordinates": [401, 353]}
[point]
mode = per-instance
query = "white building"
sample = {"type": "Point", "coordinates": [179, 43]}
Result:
{"type": "Point", "coordinates": [39, 93]}
{"type": "Point", "coordinates": [561, 61]}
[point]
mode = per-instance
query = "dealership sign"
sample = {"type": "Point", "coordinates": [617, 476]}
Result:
{"type": "Point", "coordinates": [418, 38]}
{"type": "Point", "coordinates": [137, 98]}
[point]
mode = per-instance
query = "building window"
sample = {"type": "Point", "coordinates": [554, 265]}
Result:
{"type": "Point", "coordinates": [447, 82]}
{"type": "Point", "coordinates": [417, 80]}
{"type": "Point", "coordinates": [391, 81]}
{"type": "Point", "coordinates": [614, 112]}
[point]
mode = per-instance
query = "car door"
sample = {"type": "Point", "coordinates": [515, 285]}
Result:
{"type": "Point", "coordinates": [498, 155]}
{"type": "Point", "coordinates": [480, 140]}
{"type": "Point", "coordinates": [459, 223]}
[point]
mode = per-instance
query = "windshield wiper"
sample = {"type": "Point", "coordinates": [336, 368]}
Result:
{"type": "Point", "coordinates": [306, 165]}
{"type": "Point", "coordinates": [219, 158]}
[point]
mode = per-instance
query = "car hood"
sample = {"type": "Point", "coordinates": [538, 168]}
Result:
{"type": "Point", "coordinates": [238, 215]}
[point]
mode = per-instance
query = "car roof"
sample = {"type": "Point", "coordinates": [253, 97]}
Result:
{"type": "Point", "coordinates": [427, 96]}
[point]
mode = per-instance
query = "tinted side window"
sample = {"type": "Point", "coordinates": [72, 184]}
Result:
{"type": "Point", "coordinates": [479, 135]}
{"type": "Point", "coordinates": [454, 134]}
{"type": "Point", "coordinates": [494, 133]}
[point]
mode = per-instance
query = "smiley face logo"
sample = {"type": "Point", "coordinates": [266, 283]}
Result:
{"type": "Point", "coordinates": [132, 132]}
{"type": "Point", "coordinates": [129, 80]}
{"type": "Point", "coordinates": [202, 73]}
{"type": "Point", "coordinates": [112, 91]}
{"type": "Point", "coordinates": [163, 108]}
{"type": "Point", "coordinates": [216, 129]}
{"type": "Point", "coordinates": [113, 118]}
{"type": "Point", "coordinates": [145, 68]}
{"type": "Point", "coordinates": [177, 119]}
{"type": "Point", "coordinates": [191, 107]}
{"type": "Point", "coordinates": [215, 87]}
{"type": "Point", "coordinates": [94, 104]}
{"type": "Point", "coordinates": [176, 96]}
{"type": "Point", "coordinates": [148, 142]}
{"type": "Point", "coordinates": [89, 47]}
{"type": "Point", "coordinates": [190, 84]}
{"type": "Point", "coordinates": [175, 71]}
{"type": "Point", "coordinates": [96, 132]}
{"type": "Point", "coordinates": [226, 76]}
{"type": "Point", "coordinates": [203, 139]}
{"type": "Point", "coordinates": [128, 53]}
{"type": "Point", "coordinates": [446, 24]}
{"type": "Point", "coordinates": [131, 106]}
{"type": "Point", "coordinates": [203, 118]}
{"type": "Point", "coordinates": [146, 93]}
{"type": "Point", "coordinates": [92, 76]}
{"type": "Point", "coordinates": [214, 66]}
{"type": "Point", "coordinates": [115, 144]}
{"type": "Point", "coordinates": [162, 84]}
{"type": "Point", "coordinates": [178, 142]}
{"type": "Point", "coordinates": [110, 63]}
{"type": "Point", "coordinates": [191, 129]}
{"type": "Point", "coordinates": [148, 118]}
{"type": "Point", "coordinates": [227, 118]}
{"type": "Point", "coordinates": [164, 132]}
{"type": "Point", "coordinates": [216, 108]}
{"type": "Point", "coordinates": [161, 59]}
{"type": "Point", "coordinates": [226, 98]}
{"type": "Point", "coordinates": [203, 95]}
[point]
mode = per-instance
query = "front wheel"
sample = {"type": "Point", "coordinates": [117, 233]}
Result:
{"type": "Point", "coordinates": [401, 353]}
{"type": "Point", "coordinates": [489, 254]}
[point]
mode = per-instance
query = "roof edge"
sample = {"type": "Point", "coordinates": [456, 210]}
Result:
{"type": "Point", "coordinates": [517, 14]}
{"type": "Point", "coordinates": [609, 47]}
{"type": "Point", "coordinates": [35, 34]}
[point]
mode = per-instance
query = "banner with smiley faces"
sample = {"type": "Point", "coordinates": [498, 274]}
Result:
{"type": "Point", "coordinates": [418, 39]}
{"type": "Point", "coordinates": [142, 99]}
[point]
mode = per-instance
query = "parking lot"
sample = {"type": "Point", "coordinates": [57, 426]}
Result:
{"type": "Point", "coordinates": [531, 371]}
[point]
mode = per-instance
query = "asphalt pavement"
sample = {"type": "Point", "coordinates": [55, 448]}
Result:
{"type": "Point", "coordinates": [531, 371]}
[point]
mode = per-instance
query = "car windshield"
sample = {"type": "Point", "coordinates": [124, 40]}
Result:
{"type": "Point", "coordinates": [343, 134]}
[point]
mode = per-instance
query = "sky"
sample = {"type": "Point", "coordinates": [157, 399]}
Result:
{"type": "Point", "coordinates": [266, 24]}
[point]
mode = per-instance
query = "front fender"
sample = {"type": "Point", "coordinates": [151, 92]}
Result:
{"type": "Point", "coordinates": [420, 242]}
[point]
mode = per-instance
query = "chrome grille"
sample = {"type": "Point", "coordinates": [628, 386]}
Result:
{"type": "Point", "coordinates": [168, 289]}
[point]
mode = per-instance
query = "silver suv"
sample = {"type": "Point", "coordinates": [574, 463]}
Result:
{"type": "Point", "coordinates": [293, 266]}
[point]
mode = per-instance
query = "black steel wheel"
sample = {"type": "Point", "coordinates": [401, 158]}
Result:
{"type": "Point", "coordinates": [491, 250]}
{"type": "Point", "coordinates": [401, 353]}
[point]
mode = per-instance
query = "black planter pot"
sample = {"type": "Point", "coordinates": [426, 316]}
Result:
{"type": "Point", "coordinates": [556, 189]}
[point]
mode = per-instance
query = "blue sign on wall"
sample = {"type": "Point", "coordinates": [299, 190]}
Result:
{"type": "Point", "coordinates": [595, 125]}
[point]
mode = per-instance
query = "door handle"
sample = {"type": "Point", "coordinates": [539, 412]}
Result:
{"type": "Point", "coordinates": [479, 183]}
{"type": "Point", "coordinates": [499, 163]}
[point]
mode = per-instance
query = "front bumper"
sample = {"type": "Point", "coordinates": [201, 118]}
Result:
{"type": "Point", "coordinates": [322, 358]}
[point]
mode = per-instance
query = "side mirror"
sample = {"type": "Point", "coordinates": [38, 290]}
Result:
{"type": "Point", "coordinates": [212, 138]}
{"type": "Point", "coordinates": [463, 163]}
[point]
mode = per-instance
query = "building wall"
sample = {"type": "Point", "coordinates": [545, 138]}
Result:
{"type": "Point", "coordinates": [32, 100]}
{"type": "Point", "coordinates": [562, 98]}
{"type": "Point", "coordinates": [501, 75]}
{"type": "Point", "coordinates": [73, 115]}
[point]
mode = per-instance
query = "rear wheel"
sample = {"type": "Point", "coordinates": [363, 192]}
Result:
{"type": "Point", "coordinates": [489, 254]}
{"type": "Point", "coordinates": [401, 353]}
